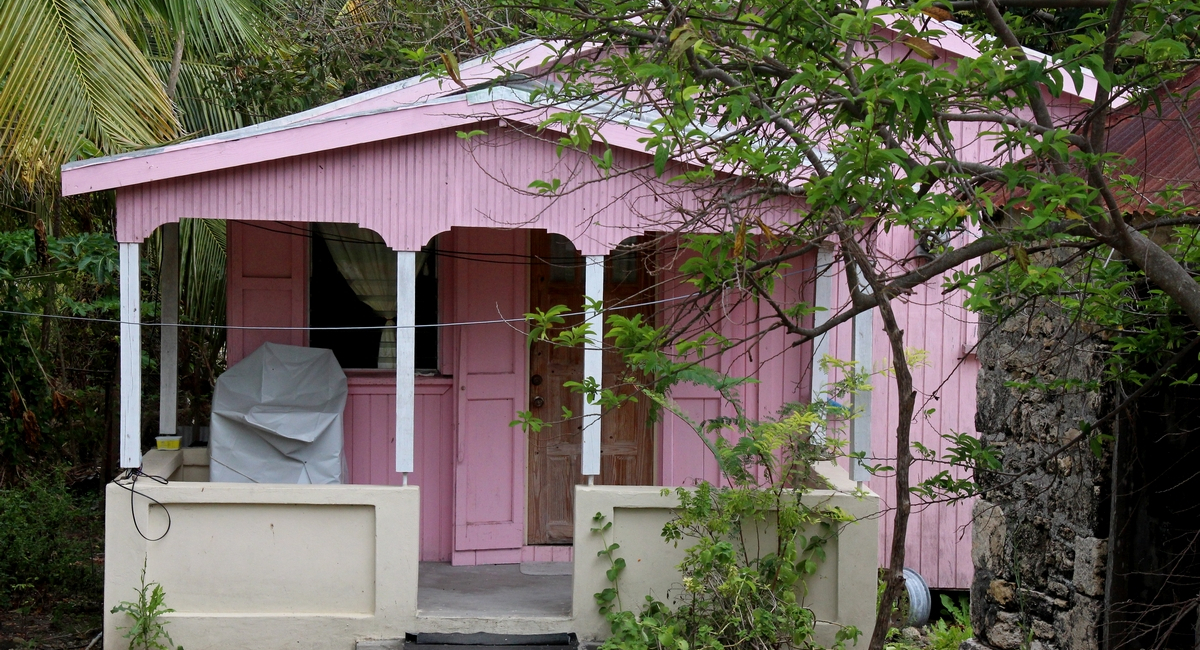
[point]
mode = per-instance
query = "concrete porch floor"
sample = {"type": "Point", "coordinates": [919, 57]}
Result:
{"type": "Point", "coordinates": [488, 591]}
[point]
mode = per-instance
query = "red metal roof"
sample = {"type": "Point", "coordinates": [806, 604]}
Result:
{"type": "Point", "coordinates": [1165, 146]}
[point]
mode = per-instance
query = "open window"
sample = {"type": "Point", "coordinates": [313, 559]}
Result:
{"type": "Point", "coordinates": [353, 286]}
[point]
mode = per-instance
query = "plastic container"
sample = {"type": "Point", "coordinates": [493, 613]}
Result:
{"type": "Point", "coordinates": [168, 442]}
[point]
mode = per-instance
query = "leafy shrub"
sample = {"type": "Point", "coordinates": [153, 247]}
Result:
{"type": "Point", "coordinates": [55, 371]}
{"type": "Point", "coordinates": [751, 544]}
{"type": "Point", "coordinates": [742, 579]}
{"type": "Point", "coordinates": [49, 539]}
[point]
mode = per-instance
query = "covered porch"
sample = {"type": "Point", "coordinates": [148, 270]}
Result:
{"type": "Point", "coordinates": [435, 470]}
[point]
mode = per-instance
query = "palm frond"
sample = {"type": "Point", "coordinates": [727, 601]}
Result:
{"type": "Point", "coordinates": [199, 99]}
{"type": "Point", "coordinates": [72, 84]}
{"type": "Point", "coordinates": [210, 27]}
{"type": "Point", "coordinates": [202, 270]}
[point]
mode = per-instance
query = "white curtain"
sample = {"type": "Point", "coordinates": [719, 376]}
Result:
{"type": "Point", "coordinates": [369, 267]}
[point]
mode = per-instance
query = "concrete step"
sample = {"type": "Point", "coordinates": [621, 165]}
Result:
{"type": "Point", "coordinates": [474, 641]}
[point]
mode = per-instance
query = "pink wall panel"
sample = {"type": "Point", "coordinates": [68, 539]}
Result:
{"type": "Point", "coordinates": [685, 458]}
{"type": "Point", "coordinates": [939, 542]}
{"type": "Point", "coordinates": [267, 286]}
{"type": "Point", "coordinates": [410, 189]}
{"type": "Point", "coordinates": [371, 449]}
{"type": "Point", "coordinates": [781, 367]}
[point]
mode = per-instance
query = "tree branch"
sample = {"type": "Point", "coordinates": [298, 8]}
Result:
{"type": "Point", "coordinates": [971, 5]}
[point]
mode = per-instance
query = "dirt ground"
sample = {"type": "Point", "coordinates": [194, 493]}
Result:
{"type": "Point", "coordinates": [44, 632]}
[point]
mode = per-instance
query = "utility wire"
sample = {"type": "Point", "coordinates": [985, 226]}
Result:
{"type": "Point", "coordinates": [495, 321]}
{"type": "Point", "coordinates": [333, 328]}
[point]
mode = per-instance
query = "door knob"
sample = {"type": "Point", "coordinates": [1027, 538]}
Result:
{"type": "Point", "coordinates": [538, 402]}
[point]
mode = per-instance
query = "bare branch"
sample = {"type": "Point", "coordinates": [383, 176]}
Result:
{"type": "Point", "coordinates": [971, 5]}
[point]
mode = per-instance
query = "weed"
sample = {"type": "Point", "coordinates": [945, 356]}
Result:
{"type": "Point", "coordinates": [940, 634]}
{"type": "Point", "coordinates": [943, 636]}
{"type": "Point", "coordinates": [147, 631]}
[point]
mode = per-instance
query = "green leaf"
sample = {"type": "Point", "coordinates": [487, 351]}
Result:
{"type": "Point", "coordinates": [661, 155]}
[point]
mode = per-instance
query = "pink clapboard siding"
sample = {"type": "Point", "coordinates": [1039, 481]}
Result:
{"type": "Point", "coordinates": [370, 448]}
{"type": "Point", "coordinates": [410, 189]}
{"type": "Point", "coordinates": [781, 368]}
{"type": "Point", "coordinates": [939, 536]}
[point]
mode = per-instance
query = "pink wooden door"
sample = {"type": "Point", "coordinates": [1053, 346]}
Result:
{"type": "Point", "coordinates": [489, 482]}
{"type": "Point", "coordinates": [267, 284]}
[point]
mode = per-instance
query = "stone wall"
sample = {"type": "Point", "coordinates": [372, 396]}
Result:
{"type": "Point", "coordinates": [1041, 526]}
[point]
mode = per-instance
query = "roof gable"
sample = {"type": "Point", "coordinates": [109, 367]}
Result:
{"type": "Point", "coordinates": [408, 107]}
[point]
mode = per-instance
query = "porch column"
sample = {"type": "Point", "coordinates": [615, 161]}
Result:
{"type": "Point", "coordinates": [168, 393]}
{"type": "Point", "coordinates": [860, 427]}
{"type": "Point", "coordinates": [823, 297]}
{"type": "Point", "coordinates": [593, 366]}
{"type": "Point", "coordinates": [131, 356]}
{"type": "Point", "coordinates": [406, 319]}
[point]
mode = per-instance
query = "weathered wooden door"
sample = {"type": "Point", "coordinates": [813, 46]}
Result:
{"type": "Point", "coordinates": [627, 439]}
{"type": "Point", "coordinates": [556, 278]}
{"type": "Point", "coordinates": [626, 436]}
{"type": "Point", "coordinates": [490, 376]}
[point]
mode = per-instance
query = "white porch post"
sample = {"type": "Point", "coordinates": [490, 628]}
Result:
{"type": "Point", "coordinates": [168, 393]}
{"type": "Point", "coordinates": [131, 356]}
{"type": "Point", "coordinates": [823, 298]}
{"type": "Point", "coordinates": [406, 319]}
{"type": "Point", "coordinates": [860, 427]}
{"type": "Point", "coordinates": [593, 366]}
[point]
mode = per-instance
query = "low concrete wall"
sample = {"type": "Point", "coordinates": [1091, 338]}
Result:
{"type": "Point", "coordinates": [841, 593]}
{"type": "Point", "coordinates": [264, 566]}
{"type": "Point", "coordinates": [323, 566]}
{"type": "Point", "coordinates": [189, 465]}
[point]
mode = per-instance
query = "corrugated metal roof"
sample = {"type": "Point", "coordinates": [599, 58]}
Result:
{"type": "Point", "coordinates": [1165, 146]}
{"type": "Point", "coordinates": [415, 92]}
{"type": "Point", "coordinates": [429, 92]}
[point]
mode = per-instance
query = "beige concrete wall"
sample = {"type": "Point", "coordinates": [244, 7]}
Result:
{"type": "Point", "coordinates": [304, 566]}
{"type": "Point", "coordinates": [177, 464]}
{"type": "Point", "coordinates": [842, 592]}
{"type": "Point", "coordinates": [265, 566]}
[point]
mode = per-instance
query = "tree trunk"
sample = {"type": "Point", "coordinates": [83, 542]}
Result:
{"type": "Point", "coordinates": [176, 66]}
{"type": "Point", "coordinates": [904, 459]}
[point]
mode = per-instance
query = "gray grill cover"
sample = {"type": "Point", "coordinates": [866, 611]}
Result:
{"type": "Point", "coordinates": [277, 418]}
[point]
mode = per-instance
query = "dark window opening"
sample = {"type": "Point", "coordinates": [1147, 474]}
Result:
{"type": "Point", "coordinates": [426, 343]}
{"type": "Point", "coordinates": [333, 303]}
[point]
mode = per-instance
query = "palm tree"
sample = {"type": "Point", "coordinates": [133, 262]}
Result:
{"type": "Point", "coordinates": [80, 78]}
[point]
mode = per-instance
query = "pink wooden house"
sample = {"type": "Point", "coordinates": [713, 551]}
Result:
{"type": "Point", "coordinates": [384, 175]}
